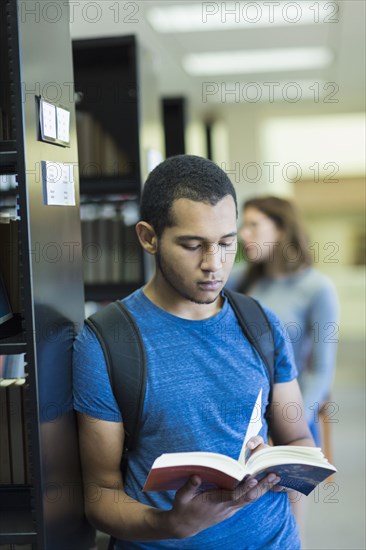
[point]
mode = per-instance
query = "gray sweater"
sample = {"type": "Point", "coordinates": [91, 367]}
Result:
{"type": "Point", "coordinates": [307, 305]}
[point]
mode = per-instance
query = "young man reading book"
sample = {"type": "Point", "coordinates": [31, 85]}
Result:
{"type": "Point", "coordinates": [203, 378]}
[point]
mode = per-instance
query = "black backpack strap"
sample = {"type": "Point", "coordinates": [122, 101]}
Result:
{"type": "Point", "coordinates": [125, 359]}
{"type": "Point", "coordinates": [256, 327]}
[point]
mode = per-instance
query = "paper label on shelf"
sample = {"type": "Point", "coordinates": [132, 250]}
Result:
{"type": "Point", "coordinates": [48, 119]}
{"type": "Point", "coordinates": [58, 183]}
{"type": "Point", "coordinates": [63, 124]}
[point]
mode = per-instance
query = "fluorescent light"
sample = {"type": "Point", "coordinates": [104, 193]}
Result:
{"type": "Point", "coordinates": [214, 16]}
{"type": "Point", "coordinates": [256, 61]}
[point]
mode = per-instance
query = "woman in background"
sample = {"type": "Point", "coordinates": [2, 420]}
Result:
{"type": "Point", "coordinates": [281, 276]}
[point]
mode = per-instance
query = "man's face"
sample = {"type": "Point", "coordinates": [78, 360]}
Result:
{"type": "Point", "coordinates": [196, 255]}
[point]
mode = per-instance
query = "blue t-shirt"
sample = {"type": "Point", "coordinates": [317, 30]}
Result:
{"type": "Point", "coordinates": [203, 378]}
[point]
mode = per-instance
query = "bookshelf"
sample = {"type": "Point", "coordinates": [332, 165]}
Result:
{"type": "Point", "coordinates": [174, 117]}
{"type": "Point", "coordinates": [106, 76]}
{"type": "Point", "coordinates": [46, 511]}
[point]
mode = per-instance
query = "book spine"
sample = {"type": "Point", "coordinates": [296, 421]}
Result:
{"type": "Point", "coordinates": [16, 432]}
{"type": "Point", "coordinates": [131, 272]}
{"type": "Point", "coordinates": [117, 239]}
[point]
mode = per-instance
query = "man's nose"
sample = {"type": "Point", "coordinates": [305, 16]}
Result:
{"type": "Point", "coordinates": [211, 258]}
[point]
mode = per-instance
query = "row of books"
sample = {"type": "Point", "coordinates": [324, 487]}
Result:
{"type": "Point", "coordinates": [8, 182]}
{"type": "Point", "coordinates": [111, 251]}
{"type": "Point", "coordinates": [99, 154]}
{"type": "Point", "coordinates": [12, 366]}
{"type": "Point", "coordinates": [14, 465]}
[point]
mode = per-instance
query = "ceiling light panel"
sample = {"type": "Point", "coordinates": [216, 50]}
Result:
{"type": "Point", "coordinates": [256, 61]}
{"type": "Point", "coordinates": [224, 16]}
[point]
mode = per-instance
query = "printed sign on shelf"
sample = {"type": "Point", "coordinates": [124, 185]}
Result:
{"type": "Point", "coordinates": [48, 118]}
{"type": "Point", "coordinates": [63, 124]}
{"type": "Point", "coordinates": [54, 123]}
{"type": "Point", "coordinates": [58, 183]}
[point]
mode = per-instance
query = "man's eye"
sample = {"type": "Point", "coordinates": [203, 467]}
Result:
{"type": "Point", "coordinates": [187, 247]}
{"type": "Point", "coordinates": [227, 244]}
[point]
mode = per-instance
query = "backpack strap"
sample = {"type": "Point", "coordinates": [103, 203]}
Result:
{"type": "Point", "coordinates": [256, 327]}
{"type": "Point", "coordinates": [125, 358]}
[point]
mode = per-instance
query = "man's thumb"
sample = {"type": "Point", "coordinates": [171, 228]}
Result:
{"type": "Point", "coordinates": [188, 491]}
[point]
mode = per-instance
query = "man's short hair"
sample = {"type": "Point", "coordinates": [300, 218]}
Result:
{"type": "Point", "coordinates": [182, 177]}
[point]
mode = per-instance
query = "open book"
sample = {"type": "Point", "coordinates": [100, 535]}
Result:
{"type": "Point", "coordinates": [300, 468]}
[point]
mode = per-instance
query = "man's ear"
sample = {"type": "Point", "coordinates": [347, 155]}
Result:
{"type": "Point", "coordinates": [147, 237]}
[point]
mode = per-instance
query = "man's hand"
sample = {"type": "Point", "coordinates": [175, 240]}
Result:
{"type": "Point", "coordinates": [195, 510]}
{"type": "Point", "coordinates": [256, 444]}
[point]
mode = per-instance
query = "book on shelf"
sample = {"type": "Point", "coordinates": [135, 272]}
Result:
{"type": "Point", "coordinates": [13, 366]}
{"type": "Point", "coordinates": [117, 232]}
{"type": "Point", "coordinates": [111, 251]}
{"type": "Point", "coordinates": [14, 463]}
{"type": "Point", "coordinates": [8, 182]}
{"type": "Point", "coordinates": [101, 271]}
{"type": "Point", "coordinates": [5, 467]}
{"type": "Point", "coordinates": [102, 250]}
{"type": "Point", "coordinates": [87, 238]}
{"type": "Point", "coordinates": [131, 255]}
{"type": "Point", "coordinates": [87, 137]}
{"type": "Point", "coordinates": [98, 151]}
{"type": "Point", "coordinates": [17, 431]}
{"type": "Point", "coordinates": [300, 468]}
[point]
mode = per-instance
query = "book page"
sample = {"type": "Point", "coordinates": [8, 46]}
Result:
{"type": "Point", "coordinates": [254, 427]}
